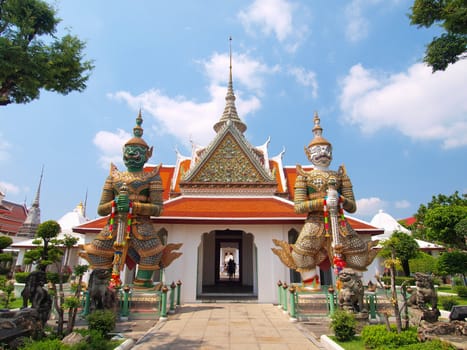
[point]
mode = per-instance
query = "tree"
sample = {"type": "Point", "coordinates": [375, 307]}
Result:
{"type": "Point", "coordinates": [453, 263]}
{"type": "Point", "coordinates": [392, 263]}
{"type": "Point", "coordinates": [46, 251]}
{"type": "Point", "coordinates": [73, 303]}
{"type": "Point", "coordinates": [6, 259]}
{"type": "Point", "coordinates": [424, 263]}
{"type": "Point", "coordinates": [445, 230]}
{"type": "Point", "coordinates": [404, 246]}
{"type": "Point", "coordinates": [441, 222]}
{"type": "Point", "coordinates": [32, 57]}
{"type": "Point", "coordinates": [451, 15]}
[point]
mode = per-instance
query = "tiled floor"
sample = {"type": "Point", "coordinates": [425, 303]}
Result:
{"type": "Point", "coordinates": [227, 326]}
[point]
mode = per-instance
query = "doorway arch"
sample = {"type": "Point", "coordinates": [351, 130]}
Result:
{"type": "Point", "coordinates": [214, 280]}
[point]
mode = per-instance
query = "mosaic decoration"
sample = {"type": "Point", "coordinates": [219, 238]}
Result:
{"type": "Point", "coordinates": [228, 163]}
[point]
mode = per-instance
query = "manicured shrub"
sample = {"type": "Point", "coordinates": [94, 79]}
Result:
{"type": "Point", "coordinates": [48, 344]}
{"type": "Point", "coordinates": [102, 321]}
{"type": "Point", "coordinates": [461, 291]}
{"type": "Point", "coordinates": [343, 324]}
{"type": "Point", "coordinates": [21, 277]}
{"type": "Point", "coordinates": [399, 280]}
{"type": "Point", "coordinates": [429, 345]}
{"type": "Point", "coordinates": [95, 341]}
{"type": "Point", "coordinates": [55, 278]}
{"type": "Point", "coordinates": [377, 336]}
{"type": "Point", "coordinates": [447, 302]}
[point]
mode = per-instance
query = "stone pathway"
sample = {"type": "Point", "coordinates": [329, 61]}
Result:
{"type": "Point", "coordinates": [228, 326]}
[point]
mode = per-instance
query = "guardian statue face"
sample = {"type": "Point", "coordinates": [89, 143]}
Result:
{"type": "Point", "coordinates": [134, 157]}
{"type": "Point", "coordinates": [320, 155]}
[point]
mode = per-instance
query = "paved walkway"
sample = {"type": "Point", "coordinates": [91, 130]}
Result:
{"type": "Point", "coordinates": [227, 326]}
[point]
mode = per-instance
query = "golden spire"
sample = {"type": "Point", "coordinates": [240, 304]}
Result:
{"type": "Point", "coordinates": [318, 131]}
{"type": "Point", "coordinates": [230, 111]}
{"type": "Point", "coordinates": [137, 138]}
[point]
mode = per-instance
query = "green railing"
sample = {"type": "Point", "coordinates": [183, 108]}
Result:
{"type": "Point", "coordinates": [140, 304]}
{"type": "Point", "coordinates": [303, 304]}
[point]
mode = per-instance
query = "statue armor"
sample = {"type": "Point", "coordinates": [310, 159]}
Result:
{"type": "Point", "coordinates": [324, 194]}
{"type": "Point", "coordinates": [145, 248]}
{"type": "Point", "coordinates": [314, 244]}
{"type": "Point", "coordinates": [131, 197]}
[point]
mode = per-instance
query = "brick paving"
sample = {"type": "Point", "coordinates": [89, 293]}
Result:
{"type": "Point", "coordinates": [228, 326]}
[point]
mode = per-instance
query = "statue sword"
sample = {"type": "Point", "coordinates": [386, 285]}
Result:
{"type": "Point", "coordinates": [120, 244]}
{"type": "Point", "coordinates": [333, 197]}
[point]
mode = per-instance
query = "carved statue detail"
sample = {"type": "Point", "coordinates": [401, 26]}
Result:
{"type": "Point", "coordinates": [425, 294]}
{"type": "Point", "coordinates": [324, 194]}
{"type": "Point", "coordinates": [100, 295]}
{"type": "Point", "coordinates": [130, 198]}
{"type": "Point", "coordinates": [35, 293]}
{"type": "Point", "coordinates": [350, 296]}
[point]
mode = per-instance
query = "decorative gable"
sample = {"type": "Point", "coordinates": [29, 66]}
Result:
{"type": "Point", "coordinates": [229, 163]}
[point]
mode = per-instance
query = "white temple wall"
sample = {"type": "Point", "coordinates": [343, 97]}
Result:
{"type": "Point", "coordinates": [268, 271]}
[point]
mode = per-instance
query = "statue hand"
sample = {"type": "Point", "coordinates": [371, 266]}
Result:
{"type": "Point", "coordinates": [123, 203]}
{"type": "Point", "coordinates": [333, 198]}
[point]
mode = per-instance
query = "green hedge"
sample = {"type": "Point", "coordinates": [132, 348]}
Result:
{"type": "Point", "coordinates": [21, 277]}
{"type": "Point", "coordinates": [461, 291]}
{"type": "Point", "coordinates": [377, 336]}
{"type": "Point", "coordinates": [343, 324]}
{"type": "Point", "coordinates": [399, 280]}
{"type": "Point", "coordinates": [54, 277]}
{"type": "Point", "coordinates": [447, 302]}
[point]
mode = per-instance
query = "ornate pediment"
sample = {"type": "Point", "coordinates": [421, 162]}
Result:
{"type": "Point", "coordinates": [229, 162]}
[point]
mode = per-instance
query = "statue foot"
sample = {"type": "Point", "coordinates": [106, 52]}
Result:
{"type": "Point", "coordinates": [143, 284]}
{"type": "Point", "coordinates": [312, 284]}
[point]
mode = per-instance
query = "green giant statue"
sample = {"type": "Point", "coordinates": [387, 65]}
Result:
{"type": "Point", "coordinates": [130, 198]}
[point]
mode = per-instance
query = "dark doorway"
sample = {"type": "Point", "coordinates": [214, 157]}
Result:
{"type": "Point", "coordinates": [228, 259]}
{"type": "Point", "coordinates": [229, 264]}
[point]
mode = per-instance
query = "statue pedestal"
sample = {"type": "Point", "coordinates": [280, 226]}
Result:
{"type": "Point", "coordinates": [18, 289]}
{"type": "Point", "coordinates": [144, 304]}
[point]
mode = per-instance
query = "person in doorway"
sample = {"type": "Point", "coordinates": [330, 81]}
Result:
{"type": "Point", "coordinates": [231, 266]}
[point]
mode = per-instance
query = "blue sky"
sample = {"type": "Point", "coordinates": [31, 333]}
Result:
{"type": "Point", "coordinates": [400, 130]}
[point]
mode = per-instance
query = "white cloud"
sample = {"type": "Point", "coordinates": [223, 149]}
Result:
{"type": "Point", "coordinates": [305, 78]}
{"type": "Point", "coordinates": [9, 188]}
{"type": "Point", "coordinates": [357, 26]}
{"type": "Point", "coordinates": [274, 17]}
{"type": "Point", "coordinates": [187, 119]}
{"type": "Point", "coordinates": [402, 204]}
{"type": "Point", "coordinates": [110, 146]}
{"type": "Point", "coordinates": [4, 147]}
{"type": "Point", "coordinates": [271, 15]}
{"type": "Point", "coordinates": [246, 71]}
{"type": "Point", "coordinates": [417, 103]}
{"type": "Point", "coordinates": [368, 207]}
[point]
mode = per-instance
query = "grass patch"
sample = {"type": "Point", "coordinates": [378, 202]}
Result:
{"type": "Point", "coordinates": [446, 288]}
{"type": "Point", "coordinates": [14, 303]}
{"type": "Point", "coordinates": [355, 344]}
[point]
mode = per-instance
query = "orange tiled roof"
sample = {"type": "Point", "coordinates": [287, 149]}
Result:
{"type": "Point", "coordinates": [12, 217]}
{"type": "Point", "coordinates": [408, 221]}
{"type": "Point", "coordinates": [252, 210]}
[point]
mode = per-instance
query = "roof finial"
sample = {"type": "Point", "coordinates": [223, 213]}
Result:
{"type": "Point", "coordinates": [137, 138]}
{"type": "Point", "coordinates": [230, 111]}
{"type": "Point", "coordinates": [318, 139]}
{"type": "Point", "coordinates": [230, 49]}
